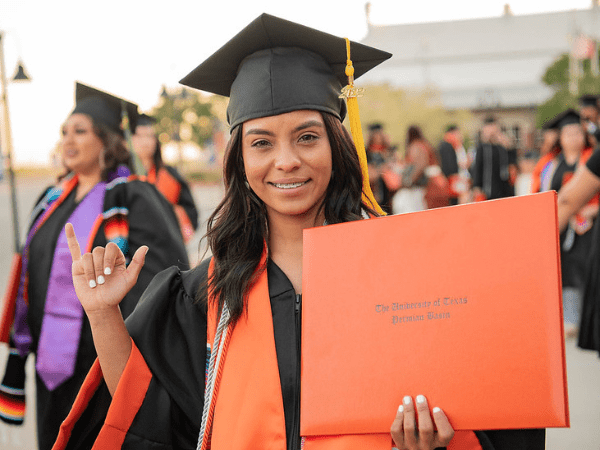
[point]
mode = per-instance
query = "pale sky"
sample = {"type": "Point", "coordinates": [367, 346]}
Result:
{"type": "Point", "coordinates": [130, 48]}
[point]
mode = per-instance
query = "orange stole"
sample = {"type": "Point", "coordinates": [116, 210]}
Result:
{"type": "Point", "coordinates": [170, 188]}
{"type": "Point", "coordinates": [249, 405]}
{"type": "Point", "coordinates": [166, 184]}
{"type": "Point", "coordinates": [10, 298]}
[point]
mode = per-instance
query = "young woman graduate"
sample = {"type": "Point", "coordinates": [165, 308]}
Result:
{"type": "Point", "coordinates": [166, 178]}
{"type": "Point", "coordinates": [553, 171]}
{"type": "Point", "coordinates": [584, 187]}
{"type": "Point", "coordinates": [234, 320]}
{"type": "Point", "coordinates": [44, 316]}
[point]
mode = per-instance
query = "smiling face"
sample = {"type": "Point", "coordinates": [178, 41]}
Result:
{"type": "Point", "coordinates": [82, 150]}
{"type": "Point", "coordinates": [287, 160]}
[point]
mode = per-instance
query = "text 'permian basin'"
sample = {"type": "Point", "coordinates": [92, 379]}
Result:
{"type": "Point", "coordinates": [417, 316]}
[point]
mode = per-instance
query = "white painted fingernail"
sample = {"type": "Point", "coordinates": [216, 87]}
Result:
{"type": "Point", "coordinates": [107, 271]}
{"type": "Point", "coordinates": [436, 410]}
{"type": "Point", "coordinates": [407, 400]}
{"type": "Point", "coordinates": [400, 408]}
{"type": "Point", "coordinates": [100, 279]}
{"type": "Point", "coordinates": [92, 284]}
{"type": "Point", "coordinates": [420, 399]}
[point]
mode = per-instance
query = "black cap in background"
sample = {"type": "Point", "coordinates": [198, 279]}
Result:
{"type": "Point", "coordinates": [589, 100]}
{"type": "Point", "coordinates": [567, 117]}
{"type": "Point", "coordinates": [104, 108]}
{"type": "Point", "coordinates": [145, 120]}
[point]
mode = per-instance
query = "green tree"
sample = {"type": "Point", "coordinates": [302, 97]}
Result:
{"type": "Point", "coordinates": [557, 74]}
{"type": "Point", "coordinates": [184, 116]}
{"type": "Point", "coordinates": [557, 77]}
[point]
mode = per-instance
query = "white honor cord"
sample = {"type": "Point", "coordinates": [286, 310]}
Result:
{"type": "Point", "coordinates": [215, 359]}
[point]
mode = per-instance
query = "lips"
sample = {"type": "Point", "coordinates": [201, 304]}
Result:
{"type": "Point", "coordinates": [70, 153]}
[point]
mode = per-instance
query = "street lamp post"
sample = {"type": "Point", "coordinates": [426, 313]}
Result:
{"type": "Point", "coordinates": [7, 140]}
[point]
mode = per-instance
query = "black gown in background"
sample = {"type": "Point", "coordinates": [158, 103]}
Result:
{"type": "Point", "coordinates": [574, 248]}
{"type": "Point", "coordinates": [490, 171]}
{"type": "Point", "coordinates": [589, 329]}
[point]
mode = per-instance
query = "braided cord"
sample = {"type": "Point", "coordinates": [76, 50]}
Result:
{"type": "Point", "coordinates": [217, 356]}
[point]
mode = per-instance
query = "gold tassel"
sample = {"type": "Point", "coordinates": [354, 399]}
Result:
{"type": "Point", "coordinates": [350, 93]}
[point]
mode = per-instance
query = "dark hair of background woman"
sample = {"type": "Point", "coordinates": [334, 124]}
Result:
{"type": "Point", "coordinates": [414, 133]}
{"type": "Point", "coordinates": [237, 229]}
{"type": "Point", "coordinates": [115, 152]}
{"type": "Point", "coordinates": [157, 157]}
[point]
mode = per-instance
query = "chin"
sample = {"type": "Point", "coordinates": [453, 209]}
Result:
{"type": "Point", "coordinates": [299, 212]}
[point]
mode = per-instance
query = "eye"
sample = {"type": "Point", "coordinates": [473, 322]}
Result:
{"type": "Point", "coordinates": [308, 138]}
{"type": "Point", "coordinates": [261, 143]}
{"type": "Point", "coordinates": [80, 130]}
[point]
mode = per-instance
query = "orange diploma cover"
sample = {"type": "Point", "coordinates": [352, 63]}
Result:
{"type": "Point", "coordinates": [460, 304]}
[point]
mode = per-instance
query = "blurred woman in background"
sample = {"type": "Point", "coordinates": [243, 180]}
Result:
{"type": "Point", "coordinates": [553, 171]}
{"type": "Point", "coordinates": [44, 315]}
{"type": "Point", "coordinates": [419, 155]}
{"type": "Point", "coordinates": [166, 178]}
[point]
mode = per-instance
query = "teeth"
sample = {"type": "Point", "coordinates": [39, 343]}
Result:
{"type": "Point", "coordinates": [288, 186]}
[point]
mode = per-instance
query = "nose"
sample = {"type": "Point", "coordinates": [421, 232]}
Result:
{"type": "Point", "coordinates": [287, 158]}
{"type": "Point", "coordinates": [66, 137]}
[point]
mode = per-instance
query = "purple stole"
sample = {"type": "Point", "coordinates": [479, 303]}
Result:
{"type": "Point", "coordinates": [63, 314]}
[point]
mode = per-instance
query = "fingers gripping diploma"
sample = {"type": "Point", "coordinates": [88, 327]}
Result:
{"type": "Point", "coordinates": [101, 278]}
{"type": "Point", "coordinates": [415, 430]}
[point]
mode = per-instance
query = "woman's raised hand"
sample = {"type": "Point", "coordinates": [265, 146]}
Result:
{"type": "Point", "coordinates": [414, 430]}
{"type": "Point", "coordinates": [101, 278]}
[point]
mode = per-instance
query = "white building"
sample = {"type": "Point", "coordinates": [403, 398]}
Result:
{"type": "Point", "coordinates": [489, 65]}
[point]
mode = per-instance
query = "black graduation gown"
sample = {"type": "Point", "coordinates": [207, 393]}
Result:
{"type": "Point", "coordinates": [448, 159]}
{"type": "Point", "coordinates": [490, 171]}
{"type": "Point", "coordinates": [151, 222]}
{"type": "Point", "coordinates": [169, 329]}
{"type": "Point", "coordinates": [574, 248]}
{"type": "Point", "coordinates": [589, 330]}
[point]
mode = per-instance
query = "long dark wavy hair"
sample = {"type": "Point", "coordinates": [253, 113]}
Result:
{"type": "Point", "coordinates": [237, 230]}
{"type": "Point", "coordinates": [115, 151]}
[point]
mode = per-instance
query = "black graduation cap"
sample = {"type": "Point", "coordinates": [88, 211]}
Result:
{"type": "Point", "coordinates": [104, 108]}
{"type": "Point", "coordinates": [567, 117]}
{"type": "Point", "coordinates": [274, 66]}
{"type": "Point", "coordinates": [145, 120]}
{"type": "Point", "coordinates": [589, 100]}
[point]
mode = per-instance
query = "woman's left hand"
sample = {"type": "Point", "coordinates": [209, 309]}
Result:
{"type": "Point", "coordinates": [416, 431]}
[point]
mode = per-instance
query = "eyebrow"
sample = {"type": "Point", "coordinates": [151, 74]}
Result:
{"type": "Point", "coordinates": [307, 124]}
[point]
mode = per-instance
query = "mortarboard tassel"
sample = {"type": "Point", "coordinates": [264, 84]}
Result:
{"type": "Point", "coordinates": [350, 93]}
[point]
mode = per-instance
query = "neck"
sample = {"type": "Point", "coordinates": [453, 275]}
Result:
{"type": "Point", "coordinates": [285, 244]}
{"type": "Point", "coordinates": [85, 183]}
{"type": "Point", "coordinates": [571, 154]}
{"type": "Point", "coordinates": [148, 164]}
